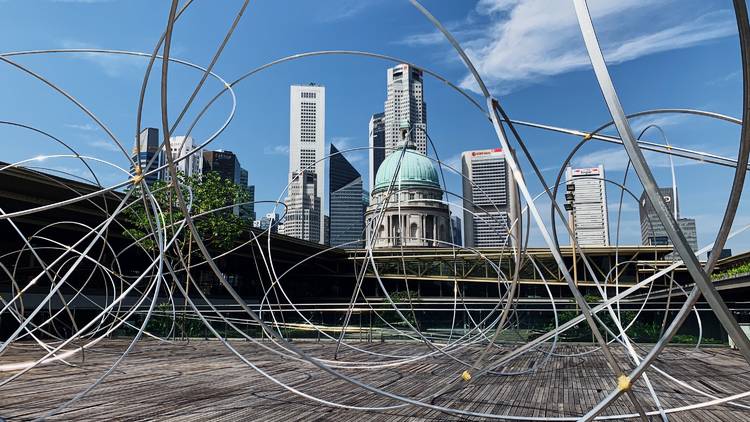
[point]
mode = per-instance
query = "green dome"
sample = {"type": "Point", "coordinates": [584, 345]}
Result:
{"type": "Point", "coordinates": [416, 170]}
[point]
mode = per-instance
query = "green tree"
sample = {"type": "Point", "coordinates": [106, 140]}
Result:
{"type": "Point", "coordinates": [212, 209]}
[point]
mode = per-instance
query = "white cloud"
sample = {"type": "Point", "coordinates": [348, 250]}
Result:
{"type": "Point", "coordinates": [344, 9]}
{"type": "Point", "coordinates": [87, 127]}
{"type": "Point", "coordinates": [105, 145]}
{"type": "Point", "coordinates": [113, 65]}
{"type": "Point", "coordinates": [276, 150]}
{"type": "Point", "coordinates": [525, 42]}
{"type": "Point", "coordinates": [615, 159]}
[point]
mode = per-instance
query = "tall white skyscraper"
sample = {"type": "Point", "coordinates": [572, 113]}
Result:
{"type": "Point", "coordinates": [306, 146]}
{"type": "Point", "coordinates": [486, 199]}
{"type": "Point", "coordinates": [185, 146]}
{"type": "Point", "coordinates": [303, 218]}
{"type": "Point", "coordinates": [589, 205]}
{"type": "Point", "coordinates": [405, 108]}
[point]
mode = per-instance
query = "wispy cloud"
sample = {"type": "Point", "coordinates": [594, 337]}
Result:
{"type": "Point", "coordinates": [276, 150]}
{"type": "Point", "coordinates": [343, 9]}
{"type": "Point", "coordinates": [104, 145]}
{"type": "Point", "coordinates": [616, 159]}
{"type": "Point", "coordinates": [113, 65]}
{"type": "Point", "coordinates": [525, 42]}
{"type": "Point", "coordinates": [87, 127]}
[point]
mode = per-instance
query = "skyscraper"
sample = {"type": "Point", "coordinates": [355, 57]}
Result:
{"type": "Point", "coordinates": [456, 230]}
{"type": "Point", "coordinates": [149, 144]}
{"type": "Point", "coordinates": [377, 144]}
{"type": "Point", "coordinates": [187, 160]}
{"type": "Point", "coordinates": [653, 231]}
{"type": "Point", "coordinates": [247, 210]}
{"type": "Point", "coordinates": [405, 108]}
{"type": "Point", "coordinates": [303, 219]}
{"type": "Point", "coordinates": [306, 147]}
{"type": "Point", "coordinates": [589, 212]}
{"type": "Point", "coordinates": [486, 199]}
{"type": "Point", "coordinates": [225, 163]}
{"type": "Point", "coordinates": [345, 202]}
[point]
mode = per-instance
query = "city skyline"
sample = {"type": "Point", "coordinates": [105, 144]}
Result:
{"type": "Point", "coordinates": [259, 132]}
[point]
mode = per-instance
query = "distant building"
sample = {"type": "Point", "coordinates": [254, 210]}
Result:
{"type": "Point", "coordinates": [725, 253]}
{"type": "Point", "coordinates": [270, 220]}
{"type": "Point", "coordinates": [456, 230]}
{"type": "Point", "coordinates": [405, 108]}
{"type": "Point", "coordinates": [247, 210]}
{"type": "Point", "coordinates": [652, 229]}
{"type": "Point", "coordinates": [147, 150]}
{"type": "Point", "coordinates": [347, 220]}
{"type": "Point", "coordinates": [589, 214]}
{"type": "Point", "coordinates": [306, 149]}
{"type": "Point", "coordinates": [486, 199]}
{"type": "Point", "coordinates": [188, 160]}
{"type": "Point", "coordinates": [377, 145]}
{"type": "Point", "coordinates": [407, 205]}
{"type": "Point", "coordinates": [303, 219]}
{"type": "Point", "coordinates": [327, 229]}
{"type": "Point", "coordinates": [687, 225]}
{"type": "Point", "coordinates": [225, 163]}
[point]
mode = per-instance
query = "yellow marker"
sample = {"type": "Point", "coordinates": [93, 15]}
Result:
{"type": "Point", "coordinates": [466, 376]}
{"type": "Point", "coordinates": [623, 383]}
{"type": "Point", "coordinates": [588, 136]}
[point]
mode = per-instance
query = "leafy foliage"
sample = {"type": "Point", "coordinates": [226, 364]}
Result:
{"type": "Point", "coordinates": [212, 210]}
{"type": "Point", "coordinates": [732, 272]}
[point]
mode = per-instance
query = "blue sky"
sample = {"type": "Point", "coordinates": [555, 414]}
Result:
{"type": "Point", "coordinates": [664, 53]}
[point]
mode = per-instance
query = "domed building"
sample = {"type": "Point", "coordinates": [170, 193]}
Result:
{"type": "Point", "coordinates": [409, 196]}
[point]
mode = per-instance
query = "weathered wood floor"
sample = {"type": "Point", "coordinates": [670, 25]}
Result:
{"type": "Point", "coordinates": [203, 381]}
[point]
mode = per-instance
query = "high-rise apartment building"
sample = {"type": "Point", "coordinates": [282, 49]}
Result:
{"type": "Point", "coordinates": [652, 229]}
{"type": "Point", "coordinates": [405, 109]}
{"type": "Point", "coordinates": [306, 150]}
{"type": "Point", "coordinates": [304, 217]}
{"type": "Point", "coordinates": [187, 160]}
{"type": "Point", "coordinates": [347, 219]}
{"type": "Point", "coordinates": [150, 152]}
{"type": "Point", "coordinates": [589, 215]}
{"type": "Point", "coordinates": [377, 145]}
{"type": "Point", "coordinates": [486, 199]}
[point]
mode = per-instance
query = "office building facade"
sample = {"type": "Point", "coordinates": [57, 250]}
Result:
{"type": "Point", "coordinates": [456, 230]}
{"type": "Point", "coordinates": [225, 163]}
{"type": "Point", "coordinates": [652, 229]}
{"type": "Point", "coordinates": [187, 159]}
{"type": "Point", "coordinates": [247, 210]}
{"type": "Point", "coordinates": [345, 202]}
{"type": "Point", "coordinates": [486, 199]}
{"type": "Point", "coordinates": [405, 109]}
{"type": "Point", "coordinates": [306, 149]}
{"type": "Point", "coordinates": [147, 150]}
{"type": "Point", "coordinates": [589, 216]}
{"type": "Point", "coordinates": [304, 219]}
{"type": "Point", "coordinates": [377, 145]}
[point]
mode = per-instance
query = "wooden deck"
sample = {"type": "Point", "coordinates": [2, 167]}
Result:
{"type": "Point", "coordinates": [203, 381]}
